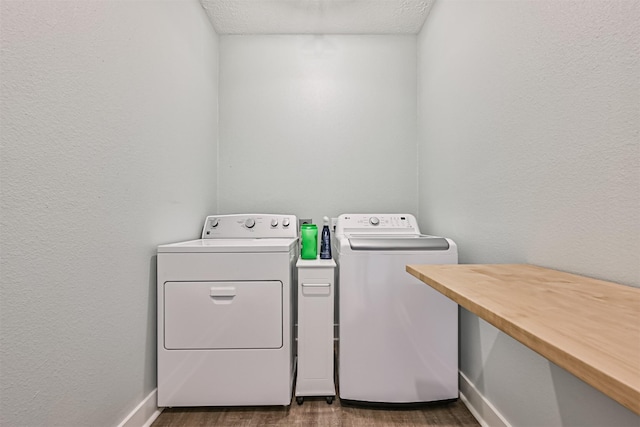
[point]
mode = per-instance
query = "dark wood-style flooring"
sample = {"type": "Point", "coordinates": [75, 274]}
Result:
{"type": "Point", "coordinates": [316, 412]}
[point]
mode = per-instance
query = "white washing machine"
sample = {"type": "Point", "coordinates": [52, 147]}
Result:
{"type": "Point", "coordinates": [398, 337]}
{"type": "Point", "coordinates": [225, 313]}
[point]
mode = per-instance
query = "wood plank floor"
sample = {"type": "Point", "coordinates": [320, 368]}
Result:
{"type": "Point", "coordinates": [316, 412]}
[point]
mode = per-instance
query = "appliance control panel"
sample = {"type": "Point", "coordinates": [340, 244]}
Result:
{"type": "Point", "coordinates": [250, 226]}
{"type": "Point", "coordinates": [377, 224]}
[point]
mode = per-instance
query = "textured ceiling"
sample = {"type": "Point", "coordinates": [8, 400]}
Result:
{"type": "Point", "coordinates": [317, 16]}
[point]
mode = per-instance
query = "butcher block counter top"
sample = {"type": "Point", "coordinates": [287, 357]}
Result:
{"type": "Point", "coordinates": [587, 326]}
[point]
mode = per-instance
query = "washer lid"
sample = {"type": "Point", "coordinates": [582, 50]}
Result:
{"type": "Point", "coordinates": [396, 243]}
{"type": "Point", "coordinates": [229, 246]}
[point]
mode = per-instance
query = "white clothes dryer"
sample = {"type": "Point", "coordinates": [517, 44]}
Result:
{"type": "Point", "coordinates": [398, 337]}
{"type": "Point", "coordinates": [225, 313]}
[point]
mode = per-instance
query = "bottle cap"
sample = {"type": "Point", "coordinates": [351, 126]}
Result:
{"type": "Point", "coordinates": [326, 220]}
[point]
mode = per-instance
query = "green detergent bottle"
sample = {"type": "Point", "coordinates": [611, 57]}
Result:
{"type": "Point", "coordinates": [309, 241]}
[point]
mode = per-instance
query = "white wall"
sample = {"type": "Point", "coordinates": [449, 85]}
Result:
{"type": "Point", "coordinates": [529, 152]}
{"type": "Point", "coordinates": [108, 132]}
{"type": "Point", "coordinates": [317, 125]}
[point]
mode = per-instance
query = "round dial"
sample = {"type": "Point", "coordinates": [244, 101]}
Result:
{"type": "Point", "coordinates": [249, 223]}
{"type": "Point", "coordinates": [285, 222]}
{"type": "Point", "coordinates": [374, 220]}
{"type": "Point", "coordinates": [214, 222]}
{"type": "Point", "coordinates": [274, 222]}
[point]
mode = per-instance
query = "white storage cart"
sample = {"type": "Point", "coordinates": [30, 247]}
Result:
{"type": "Point", "coordinates": [316, 296]}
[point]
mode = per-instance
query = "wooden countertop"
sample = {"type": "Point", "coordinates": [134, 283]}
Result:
{"type": "Point", "coordinates": [587, 326]}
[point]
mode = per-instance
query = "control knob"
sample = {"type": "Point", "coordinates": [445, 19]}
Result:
{"type": "Point", "coordinates": [214, 222]}
{"type": "Point", "coordinates": [249, 223]}
{"type": "Point", "coordinates": [285, 222]}
{"type": "Point", "coordinates": [274, 222]}
{"type": "Point", "coordinates": [374, 220]}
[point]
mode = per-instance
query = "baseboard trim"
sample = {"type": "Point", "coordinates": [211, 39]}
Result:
{"type": "Point", "coordinates": [145, 413]}
{"type": "Point", "coordinates": [486, 414]}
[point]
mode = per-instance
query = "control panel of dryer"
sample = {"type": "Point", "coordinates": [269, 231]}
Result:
{"type": "Point", "coordinates": [377, 224]}
{"type": "Point", "coordinates": [250, 226]}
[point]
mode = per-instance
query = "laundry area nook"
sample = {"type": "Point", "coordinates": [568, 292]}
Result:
{"type": "Point", "coordinates": [319, 212]}
{"type": "Point", "coordinates": [229, 303]}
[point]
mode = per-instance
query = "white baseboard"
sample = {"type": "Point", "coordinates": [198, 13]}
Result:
{"type": "Point", "coordinates": [486, 414]}
{"type": "Point", "coordinates": [145, 413]}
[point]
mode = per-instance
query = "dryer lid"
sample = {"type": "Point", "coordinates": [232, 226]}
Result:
{"type": "Point", "coordinates": [230, 246]}
{"type": "Point", "coordinates": [396, 243]}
